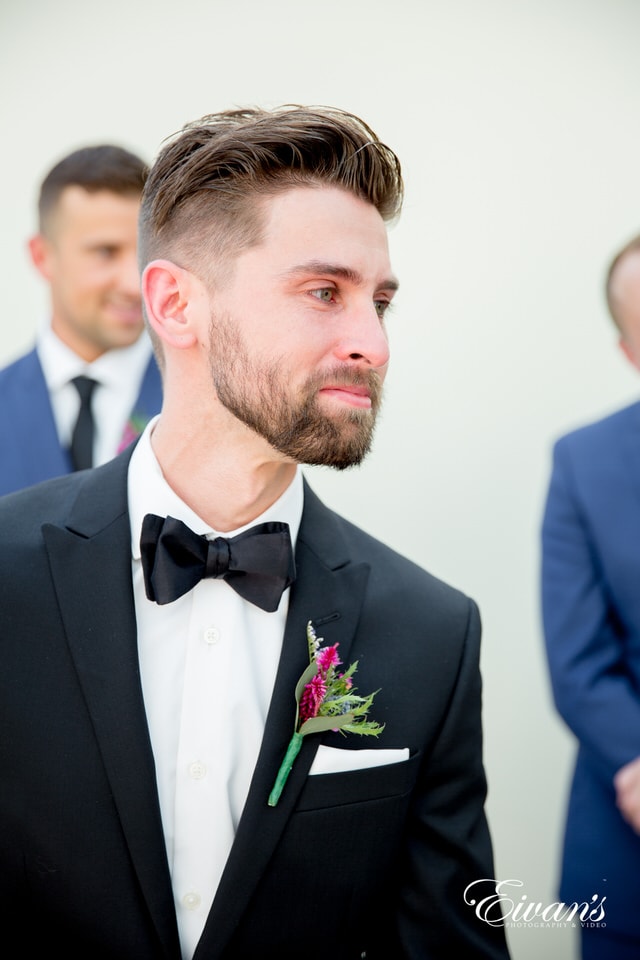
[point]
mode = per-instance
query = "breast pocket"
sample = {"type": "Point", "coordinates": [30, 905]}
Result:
{"type": "Point", "coordinates": [359, 786]}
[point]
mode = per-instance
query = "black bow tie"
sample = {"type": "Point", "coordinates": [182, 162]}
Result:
{"type": "Point", "coordinates": [258, 563]}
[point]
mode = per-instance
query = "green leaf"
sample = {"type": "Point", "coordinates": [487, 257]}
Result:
{"type": "Point", "coordinates": [367, 729]}
{"type": "Point", "coordinates": [306, 677]}
{"type": "Point", "coordinates": [350, 672]}
{"type": "Point", "coordinates": [320, 724]}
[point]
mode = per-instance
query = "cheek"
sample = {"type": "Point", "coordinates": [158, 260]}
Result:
{"type": "Point", "coordinates": [305, 357]}
{"type": "Point", "coordinates": [84, 277]}
{"type": "Point", "coordinates": [87, 292]}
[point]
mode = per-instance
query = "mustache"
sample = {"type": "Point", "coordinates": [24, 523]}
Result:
{"type": "Point", "coordinates": [344, 376]}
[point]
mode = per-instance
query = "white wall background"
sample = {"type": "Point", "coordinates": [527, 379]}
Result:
{"type": "Point", "coordinates": [517, 124]}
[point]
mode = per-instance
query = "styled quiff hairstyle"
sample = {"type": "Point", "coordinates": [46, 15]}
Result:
{"type": "Point", "coordinates": [103, 167]}
{"type": "Point", "coordinates": [200, 202]}
{"type": "Point", "coordinates": [633, 246]}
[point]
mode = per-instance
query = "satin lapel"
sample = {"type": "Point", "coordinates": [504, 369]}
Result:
{"type": "Point", "coordinates": [90, 561]}
{"type": "Point", "coordinates": [329, 591]}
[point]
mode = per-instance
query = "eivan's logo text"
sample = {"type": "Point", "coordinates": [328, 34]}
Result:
{"type": "Point", "coordinates": [496, 903]}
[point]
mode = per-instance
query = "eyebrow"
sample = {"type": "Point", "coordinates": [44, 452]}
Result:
{"type": "Point", "coordinates": [328, 269]}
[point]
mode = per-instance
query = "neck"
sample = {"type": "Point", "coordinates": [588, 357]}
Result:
{"type": "Point", "coordinates": [223, 471]}
{"type": "Point", "coordinates": [82, 348]}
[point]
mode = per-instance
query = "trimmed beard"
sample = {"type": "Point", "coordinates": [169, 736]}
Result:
{"type": "Point", "coordinates": [257, 395]}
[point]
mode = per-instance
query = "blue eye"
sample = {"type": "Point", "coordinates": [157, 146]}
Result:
{"type": "Point", "coordinates": [323, 293]}
{"type": "Point", "coordinates": [381, 307]}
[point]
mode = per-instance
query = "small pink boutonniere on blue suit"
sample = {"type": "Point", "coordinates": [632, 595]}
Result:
{"type": "Point", "coordinates": [132, 430]}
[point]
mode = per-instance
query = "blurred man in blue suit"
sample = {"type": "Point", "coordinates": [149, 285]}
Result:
{"type": "Point", "coordinates": [91, 383]}
{"type": "Point", "coordinates": [591, 609]}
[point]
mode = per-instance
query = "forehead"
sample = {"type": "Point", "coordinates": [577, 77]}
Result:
{"type": "Point", "coordinates": [324, 222]}
{"type": "Point", "coordinates": [627, 271]}
{"type": "Point", "coordinates": [83, 211]}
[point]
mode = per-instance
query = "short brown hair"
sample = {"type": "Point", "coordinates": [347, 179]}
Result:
{"type": "Point", "coordinates": [199, 200]}
{"type": "Point", "coordinates": [102, 167]}
{"type": "Point", "coordinates": [633, 246]}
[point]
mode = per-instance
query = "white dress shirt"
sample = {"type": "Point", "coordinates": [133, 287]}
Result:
{"type": "Point", "coordinates": [208, 663]}
{"type": "Point", "coordinates": [119, 374]}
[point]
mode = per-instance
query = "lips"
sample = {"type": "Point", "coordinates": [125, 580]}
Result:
{"type": "Point", "coordinates": [356, 396]}
{"type": "Point", "coordinates": [354, 389]}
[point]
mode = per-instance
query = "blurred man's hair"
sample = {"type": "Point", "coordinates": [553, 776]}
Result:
{"type": "Point", "coordinates": [102, 167]}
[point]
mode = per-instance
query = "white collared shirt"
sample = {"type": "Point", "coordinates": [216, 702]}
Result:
{"type": "Point", "coordinates": [208, 663]}
{"type": "Point", "coordinates": [119, 374]}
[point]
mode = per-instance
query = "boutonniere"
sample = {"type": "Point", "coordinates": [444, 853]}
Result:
{"type": "Point", "coordinates": [325, 700]}
{"type": "Point", "coordinates": [132, 430]}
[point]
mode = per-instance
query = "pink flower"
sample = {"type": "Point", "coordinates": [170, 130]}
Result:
{"type": "Point", "coordinates": [128, 436]}
{"type": "Point", "coordinates": [327, 658]}
{"type": "Point", "coordinates": [312, 697]}
{"type": "Point", "coordinates": [132, 430]}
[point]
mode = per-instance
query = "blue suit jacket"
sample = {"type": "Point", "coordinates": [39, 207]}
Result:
{"type": "Point", "coordinates": [29, 447]}
{"type": "Point", "coordinates": [591, 612]}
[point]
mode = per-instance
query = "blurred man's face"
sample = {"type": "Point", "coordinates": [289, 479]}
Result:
{"type": "Point", "coordinates": [625, 291]}
{"type": "Point", "coordinates": [88, 257]}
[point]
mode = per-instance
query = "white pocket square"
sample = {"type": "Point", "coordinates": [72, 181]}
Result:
{"type": "Point", "coordinates": [334, 760]}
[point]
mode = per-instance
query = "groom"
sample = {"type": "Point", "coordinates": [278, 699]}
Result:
{"type": "Point", "coordinates": [151, 638]}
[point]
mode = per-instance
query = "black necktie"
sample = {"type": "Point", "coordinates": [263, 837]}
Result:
{"type": "Point", "coordinates": [82, 436]}
{"type": "Point", "coordinates": [258, 563]}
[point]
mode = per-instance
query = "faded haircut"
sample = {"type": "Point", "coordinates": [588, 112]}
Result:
{"type": "Point", "coordinates": [101, 167]}
{"type": "Point", "coordinates": [201, 204]}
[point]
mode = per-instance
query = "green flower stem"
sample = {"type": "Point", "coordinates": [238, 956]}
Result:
{"type": "Point", "coordinates": [285, 768]}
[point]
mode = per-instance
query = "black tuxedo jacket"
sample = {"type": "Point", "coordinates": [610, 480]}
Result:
{"type": "Point", "coordinates": [371, 863]}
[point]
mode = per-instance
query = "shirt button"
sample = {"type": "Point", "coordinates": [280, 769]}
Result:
{"type": "Point", "coordinates": [197, 770]}
{"type": "Point", "coordinates": [191, 900]}
{"type": "Point", "coordinates": [212, 635]}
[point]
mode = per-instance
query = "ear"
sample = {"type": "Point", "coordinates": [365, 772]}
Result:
{"type": "Point", "coordinates": [40, 253]}
{"type": "Point", "coordinates": [170, 295]}
{"type": "Point", "coordinates": [629, 352]}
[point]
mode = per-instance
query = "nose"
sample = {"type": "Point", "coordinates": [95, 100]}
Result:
{"type": "Point", "coordinates": [129, 276]}
{"type": "Point", "coordinates": [363, 338]}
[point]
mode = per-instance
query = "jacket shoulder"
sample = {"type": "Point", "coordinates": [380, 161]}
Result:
{"type": "Point", "coordinates": [13, 373]}
{"type": "Point", "coordinates": [602, 433]}
{"type": "Point", "coordinates": [398, 584]}
{"type": "Point", "coordinates": [86, 501]}
{"type": "Point", "coordinates": [46, 502]}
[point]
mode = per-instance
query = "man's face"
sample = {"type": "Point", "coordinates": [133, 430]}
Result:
{"type": "Point", "coordinates": [88, 257]}
{"type": "Point", "coordinates": [626, 292]}
{"type": "Point", "coordinates": [298, 349]}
